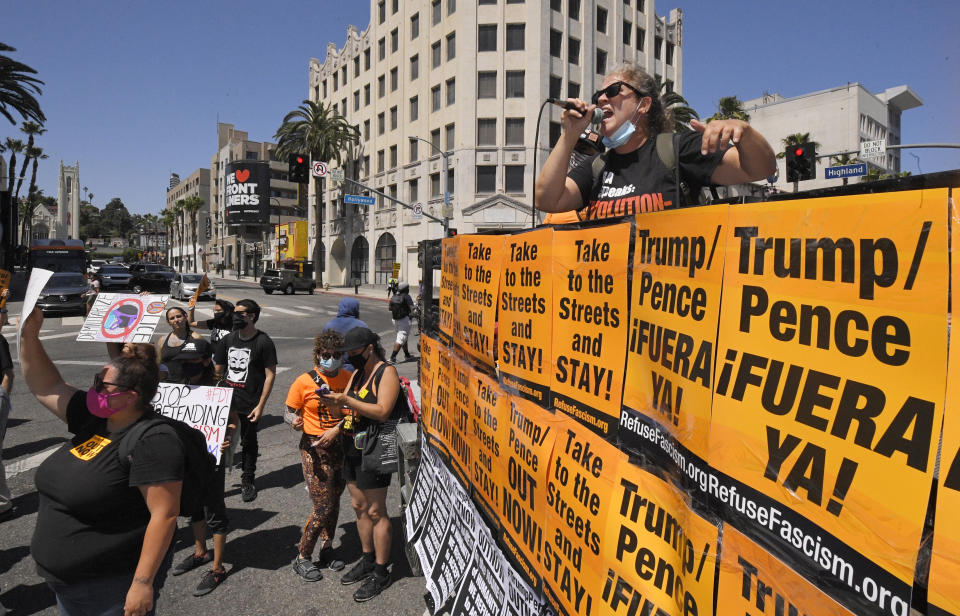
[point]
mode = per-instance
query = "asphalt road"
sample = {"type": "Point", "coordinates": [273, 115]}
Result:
{"type": "Point", "coordinates": [262, 542]}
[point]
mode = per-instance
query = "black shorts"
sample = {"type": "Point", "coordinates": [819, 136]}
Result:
{"type": "Point", "coordinates": [214, 510]}
{"type": "Point", "coordinates": [365, 480]}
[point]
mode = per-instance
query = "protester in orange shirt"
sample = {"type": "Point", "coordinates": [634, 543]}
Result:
{"type": "Point", "coordinates": [321, 452]}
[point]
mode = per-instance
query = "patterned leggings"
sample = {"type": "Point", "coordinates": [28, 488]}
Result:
{"type": "Point", "coordinates": [323, 473]}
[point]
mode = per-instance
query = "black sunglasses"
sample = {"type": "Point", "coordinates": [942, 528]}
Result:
{"type": "Point", "coordinates": [612, 90]}
{"type": "Point", "coordinates": [98, 383]}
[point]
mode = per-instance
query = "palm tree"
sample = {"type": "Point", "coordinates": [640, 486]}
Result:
{"type": "Point", "coordinates": [191, 205]}
{"type": "Point", "coordinates": [16, 85]}
{"type": "Point", "coordinates": [677, 105]}
{"type": "Point", "coordinates": [730, 108]}
{"type": "Point", "coordinates": [178, 212]}
{"type": "Point", "coordinates": [323, 133]}
{"type": "Point", "coordinates": [15, 146]}
{"type": "Point", "coordinates": [169, 218]}
{"type": "Point", "coordinates": [31, 130]}
{"type": "Point", "coordinates": [37, 155]}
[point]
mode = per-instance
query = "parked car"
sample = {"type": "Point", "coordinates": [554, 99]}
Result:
{"type": "Point", "coordinates": [151, 277]}
{"type": "Point", "coordinates": [185, 285]}
{"type": "Point", "coordinates": [288, 281]}
{"type": "Point", "coordinates": [63, 294]}
{"type": "Point", "coordinates": [94, 268]}
{"type": "Point", "coordinates": [113, 276]}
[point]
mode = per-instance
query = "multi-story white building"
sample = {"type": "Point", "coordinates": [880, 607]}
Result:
{"type": "Point", "coordinates": [839, 119]}
{"type": "Point", "coordinates": [189, 231]}
{"type": "Point", "coordinates": [431, 82]}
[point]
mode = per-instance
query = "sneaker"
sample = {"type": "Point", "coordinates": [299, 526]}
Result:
{"type": "Point", "coordinates": [371, 587]}
{"type": "Point", "coordinates": [6, 514]}
{"type": "Point", "coordinates": [328, 560]}
{"type": "Point", "coordinates": [190, 563]}
{"type": "Point", "coordinates": [248, 491]}
{"type": "Point", "coordinates": [357, 573]}
{"type": "Point", "coordinates": [306, 569]}
{"type": "Point", "coordinates": [211, 579]}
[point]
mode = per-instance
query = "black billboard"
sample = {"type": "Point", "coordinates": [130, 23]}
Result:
{"type": "Point", "coordinates": [247, 192]}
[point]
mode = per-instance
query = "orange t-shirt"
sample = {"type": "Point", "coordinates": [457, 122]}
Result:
{"type": "Point", "coordinates": [317, 418]}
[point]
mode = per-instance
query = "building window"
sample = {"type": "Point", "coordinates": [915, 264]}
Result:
{"type": "Point", "coordinates": [514, 132]}
{"type": "Point", "coordinates": [451, 91]}
{"type": "Point", "coordinates": [381, 86]}
{"type": "Point", "coordinates": [555, 5]}
{"type": "Point", "coordinates": [556, 43]}
{"type": "Point", "coordinates": [393, 79]}
{"type": "Point", "coordinates": [356, 100]}
{"type": "Point", "coordinates": [627, 31]}
{"type": "Point", "coordinates": [451, 137]}
{"type": "Point", "coordinates": [434, 185]}
{"type": "Point", "coordinates": [381, 123]}
{"type": "Point", "coordinates": [487, 37]}
{"type": "Point", "coordinates": [382, 49]}
{"type": "Point", "coordinates": [515, 1]}
{"type": "Point", "coordinates": [556, 86]}
{"type": "Point", "coordinates": [451, 6]}
{"type": "Point", "coordinates": [394, 40]}
{"type": "Point", "coordinates": [669, 85]}
{"type": "Point", "coordinates": [555, 129]}
{"type": "Point", "coordinates": [641, 37]}
{"type": "Point", "coordinates": [574, 9]}
{"type": "Point", "coordinates": [366, 59]}
{"type": "Point", "coordinates": [640, 6]}
{"type": "Point", "coordinates": [366, 129]}
{"type": "Point", "coordinates": [514, 84]}
{"type": "Point", "coordinates": [393, 157]}
{"type": "Point", "coordinates": [486, 1]}
{"type": "Point", "coordinates": [414, 67]}
{"type": "Point", "coordinates": [486, 178]}
{"type": "Point", "coordinates": [657, 43]}
{"type": "Point", "coordinates": [451, 45]}
{"type": "Point", "coordinates": [516, 35]}
{"type": "Point", "coordinates": [487, 84]}
{"type": "Point", "coordinates": [356, 66]}
{"type": "Point", "coordinates": [393, 118]}
{"type": "Point", "coordinates": [380, 161]}
{"type": "Point", "coordinates": [450, 181]}
{"type": "Point", "coordinates": [435, 55]}
{"type": "Point", "coordinates": [573, 50]}
{"type": "Point", "coordinates": [573, 90]}
{"type": "Point", "coordinates": [435, 98]}
{"type": "Point", "coordinates": [336, 81]}
{"type": "Point", "coordinates": [601, 19]}
{"type": "Point", "coordinates": [669, 54]}
{"type": "Point", "coordinates": [251, 155]}
{"type": "Point", "coordinates": [396, 6]}
{"type": "Point", "coordinates": [381, 11]}
{"type": "Point", "coordinates": [601, 62]}
{"type": "Point", "coordinates": [513, 179]}
{"type": "Point", "coordinates": [435, 138]}
{"type": "Point", "coordinates": [414, 109]}
{"type": "Point", "coordinates": [486, 131]}
{"type": "Point", "coordinates": [412, 193]}
{"type": "Point", "coordinates": [435, 5]}
{"type": "Point", "coordinates": [366, 94]}
{"type": "Point", "coordinates": [415, 26]}
{"type": "Point", "coordinates": [324, 88]}
{"type": "Point", "coordinates": [413, 150]}
{"type": "Point", "coordinates": [343, 73]}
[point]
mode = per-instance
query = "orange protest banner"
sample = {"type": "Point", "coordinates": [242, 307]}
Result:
{"type": "Point", "coordinates": [480, 260]}
{"type": "Point", "coordinates": [449, 286]}
{"type": "Point", "coordinates": [580, 493]}
{"type": "Point", "coordinates": [428, 373]}
{"type": "Point", "coordinates": [659, 556]}
{"type": "Point", "coordinates": [589, 323]}
{"type": "Point", "coordinates": [827, 305]}
{"type": "Point", "coordinates": [525, 321]}
{"type": "Point", "coordinates": [674, 308]}
{"type": "Point", "coordinates": [754, 583]}
{"type": "Point", "coordinates": [439, 424]}
{"type": "Point", "coordinates": [489, 410]}
{"type": "Point", "coordinates": [460, 445]}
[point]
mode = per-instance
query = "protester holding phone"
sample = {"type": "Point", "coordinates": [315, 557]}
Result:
{"type": "Point", "coordinates": [321, 453]}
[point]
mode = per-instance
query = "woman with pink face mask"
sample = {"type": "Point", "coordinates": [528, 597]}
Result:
{"type": "Point", "coordinates": [104, 526]}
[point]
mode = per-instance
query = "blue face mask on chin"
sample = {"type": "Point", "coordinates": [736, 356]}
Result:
{"type": "Point", "coordinates": [622, 134]}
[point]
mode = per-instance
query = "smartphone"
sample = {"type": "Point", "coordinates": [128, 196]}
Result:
{"type": "Point", "coordinates": [323, 390]}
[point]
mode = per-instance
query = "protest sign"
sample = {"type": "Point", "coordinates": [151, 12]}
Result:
{"type": "Point", "coordinates": [589, 323]}
{"type": "Point", "coordinates": [580, 493]}
{"type": "Point", "coordinates": [480, 259]}
{"type": "Point", "coordinates": [522, 599]}
{"type": "Point", "coordinates": [449, 286]}
{"type": "Point", "coordinates": [482, 591]}
{"type": "Point", "coordinates": [455, 547]}
{"type": "Point", "coordinates": [754, 583]}
{"type": "Point", "coordinates": [659, 556]}
{"type": "Point", "coordinates": [38, 279]}
{"type": "Point", "coordinates": [674, 308]}
{"type": "Point", "coordinates": [205, 408]}
{"type": "Point", "coordinates": [201, 288]}
{"type": "Point", "coordinates": [434, 526]}
{"type": "Point", "coordinates": [459, 445]}
{"type": "Point", "coordinates": [421, 495]}
{"type": "Point", "coordinates": [439, 425]}
{"type": "Point", "coordinates": [488, 409]}
{"type": "Point", "coordinates": [428, 372]}
{"type": "Point", "coordinates": [827, 305]}
{"type": "Point", "coordinates": [525, 316]}
{"type": "Point", "coordinates": [118, 317]}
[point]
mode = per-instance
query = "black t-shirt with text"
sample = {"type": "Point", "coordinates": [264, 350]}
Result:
{"type": "Point", "coordinates": [91, 516]}
{"type": "Point", "coordinates": [246, 361]}
{"type": "Point", "coordinates": [638, 181]}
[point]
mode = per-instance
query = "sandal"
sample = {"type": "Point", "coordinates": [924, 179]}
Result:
{"type": "Point", "coordinates": [306, 569]}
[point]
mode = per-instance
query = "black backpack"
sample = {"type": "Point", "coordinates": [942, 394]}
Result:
{"type": "Point", "coordinates": [200, 466]}
{"type": "Point", "coordinates": [399, 306]}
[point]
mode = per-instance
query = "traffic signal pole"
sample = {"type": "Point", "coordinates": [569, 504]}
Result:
{"type": "Point", "coordinates": [445, 222]}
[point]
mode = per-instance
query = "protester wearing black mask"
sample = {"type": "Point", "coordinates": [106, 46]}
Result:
{"type": "Point", "coordinates": [220, 325]}
{"type": "Point", "coordinates": [246, 360]}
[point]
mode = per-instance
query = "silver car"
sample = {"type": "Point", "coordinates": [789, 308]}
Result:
{"type": "Point", "coordinates": [113, 276]}
{"type": "Point", "coordinates": [184, 286]}
{"type": "Point", "coordinates": [63, 294]}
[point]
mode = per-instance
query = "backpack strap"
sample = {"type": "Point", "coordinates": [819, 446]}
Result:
{"type": "Point", "coordinates": [599, 162]}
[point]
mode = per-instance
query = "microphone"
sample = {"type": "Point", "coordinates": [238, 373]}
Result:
{"type": "Point", "coordinates": [597, 113]}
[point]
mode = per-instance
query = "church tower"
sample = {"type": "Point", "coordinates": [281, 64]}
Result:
{"type": "Point", "coordinates": [67, 223]}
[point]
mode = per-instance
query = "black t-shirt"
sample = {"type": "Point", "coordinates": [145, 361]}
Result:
{"type": "Point", "coordinates": [216, 333]}
{"type": "Point", "coordinates": [92, 516]}
{"type": "Point", "coordinates": [246, 361]}
{"type": "Point", "coordinates": [638, 181]}
{"type": "Point", "coordinates": [6, 363]}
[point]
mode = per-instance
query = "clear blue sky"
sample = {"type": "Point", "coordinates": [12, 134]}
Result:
{"type": "Point", "coordinates": [134, 89]}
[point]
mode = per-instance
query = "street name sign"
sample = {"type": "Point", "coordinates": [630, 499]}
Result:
{"type": "Point", "coordinates": [845, 171]}
{"type": "Point", "coordinates": [359, 200]}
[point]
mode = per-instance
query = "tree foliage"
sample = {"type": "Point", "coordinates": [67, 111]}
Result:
{"type": "Point", "coordinates": [730, 108]}
{"type": "Point", "coordinates": [17, 88]}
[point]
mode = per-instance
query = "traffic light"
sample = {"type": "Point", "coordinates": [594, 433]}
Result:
{"type": "Point", "coordinates": [298, 168]}
{"type": "Point", "coordinates": [801, 162]}
{"type": "Point", "coordinates": [451, 232]}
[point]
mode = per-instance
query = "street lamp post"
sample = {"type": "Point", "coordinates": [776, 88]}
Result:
{"type": "Point", "coordinates": [445, 214]}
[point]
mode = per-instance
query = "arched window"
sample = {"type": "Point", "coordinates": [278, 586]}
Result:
{"type": "Point", "coordinates": [385, 257]}
{"type": "Point", "coordinates": [360, 260]}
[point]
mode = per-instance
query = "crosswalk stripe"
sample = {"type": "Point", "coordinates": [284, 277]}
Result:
{"type": "Point", "coordinates": [271, 309]}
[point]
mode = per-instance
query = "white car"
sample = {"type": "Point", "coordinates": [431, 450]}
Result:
{"type": "Point", "coordinates": [184, 286]}
{"type": "Point", "coordinates": [94, 268]}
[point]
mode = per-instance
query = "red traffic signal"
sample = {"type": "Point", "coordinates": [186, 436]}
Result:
{"type": "Point", "coordinates": [298, 169]}
{"type": "Point", "coordinates": [801, 162]}
{"type": "Point", "coordinates": [799, 152]}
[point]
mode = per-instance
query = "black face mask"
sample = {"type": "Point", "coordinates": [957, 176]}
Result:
{"type": "Point", "coordinates": [357, 360]}
{"type": "Point", "coordinates": [222, 320]}
{"type": "Point", "coordinates": [239, 322]}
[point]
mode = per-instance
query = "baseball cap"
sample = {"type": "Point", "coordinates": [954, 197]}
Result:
{"type": "Point", "coordinates": [358, 337]}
